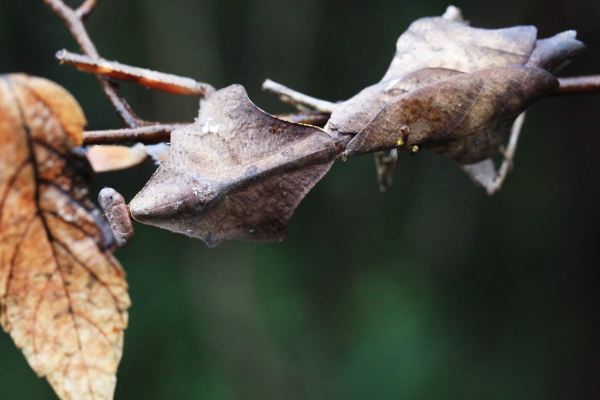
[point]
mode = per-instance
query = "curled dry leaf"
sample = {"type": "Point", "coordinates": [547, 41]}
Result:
{"type": "Point", "coordinates": [454, 107]}
{"type": "Point", "coordinates": [236, 173]}
{"type": "Point", "coordinates": [63, 295]}
{"type": "Point", "coordinates": [457, 88]}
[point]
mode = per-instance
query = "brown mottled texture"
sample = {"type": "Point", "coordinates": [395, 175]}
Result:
{"type": "Point", "coordinates": [477, 100]}
{"type": "Point", "coordinates": [236, 173]}
{"type": "Point", "coordinates": [63, 295]}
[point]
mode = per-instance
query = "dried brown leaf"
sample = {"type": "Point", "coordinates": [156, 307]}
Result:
{"type": "Point", "coordinates": [455, 107]}
{"type": "Point", "coordinates": [63, 295]}
{"type": "Point", "coordinates": [436, 42]}
{"type": "Point", "coordinates": [554, 53]}
{"type": "Point", "coordinates": [236, 173]}
{"type": "Point", "coordinates": [457, 88]}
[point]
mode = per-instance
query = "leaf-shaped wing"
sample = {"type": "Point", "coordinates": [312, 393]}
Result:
{"type": "Point", "coordinates": [236, 173]}
{"type": "Point", "coordinates": [477, 146]}
{"type": "Point", "coordinates": [424, 88]}
{"type": "Point", "coordinates": [554, 53]}
{"type": "Point", "coordinates": [355, 113]}
{"type": "Point", "coordinates": [434, 49]}
{"type": "Point", "coordinates": [63, 294]}
{"type": "Point", "coordinates": [454, 107]}
{"type": "Point", "coordinates": [437, 42]}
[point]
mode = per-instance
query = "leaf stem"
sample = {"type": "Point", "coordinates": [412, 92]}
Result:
{"type": "Point", "coordinates": [578, 84]}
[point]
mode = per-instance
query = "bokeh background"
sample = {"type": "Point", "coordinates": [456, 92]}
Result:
{"type": "Point", "coordinates": [431, 291]}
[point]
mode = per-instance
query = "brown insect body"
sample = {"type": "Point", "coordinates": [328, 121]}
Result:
{"type": "Point", "coordinates": [117, 213]}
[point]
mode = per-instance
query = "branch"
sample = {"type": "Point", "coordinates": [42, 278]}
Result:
{"type": "Point", "coordinates": [160, 81]}
{"type": "Point", "coordinates": [74, 21]}
{"type": "Point", "coordinates": [150, 134]}
{"type": "Point", "coordinates": [508, 155]}
{"type": "Point", "coordinates": [297, 99]}
{"type": "Point", "coordinates": [578, 84]}
{"type": "Point", "coordinates": [84, 10]}
{"type": "Point", "coordinates": [158, 133]}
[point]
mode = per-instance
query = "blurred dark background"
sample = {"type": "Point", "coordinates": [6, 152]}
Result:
{"type": "Point", "coordinates": [431, 291]}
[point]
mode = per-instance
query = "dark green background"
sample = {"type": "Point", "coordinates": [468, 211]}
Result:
{"type": "Point", "coordinates": [431, 291]}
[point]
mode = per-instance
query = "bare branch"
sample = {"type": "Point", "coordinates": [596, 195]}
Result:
{"type": "Point", "coordinates": [150, 134]}
{"type": "Point", "coordinates": [75, 24]}
{"type": "Point", "coordinates": [294, 98]}
{"type": "Point", "coordinates": [152, 79]}
{"type": "Point", "coordinates": [579, 84]}
{"type": "Point", "coordinates": [121, 106]}
{"type": "Point", "coordinates": [84, 10]}
{"type": "Point", "coordinates": [508, 154]}
{"type": "Point", "coordinates": [158, 133]}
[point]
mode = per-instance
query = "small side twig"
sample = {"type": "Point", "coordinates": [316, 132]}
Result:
{"type": "Point", "coordinates": [297, 99]}
{"type": "Point", "coordinates": [511, 149]}
{"type": "Point", "coordinates": [159, 133]}
{"type": "Point", "coordinates": [578, 84]}
{"type": "Point", "coordinates": [160, 81]}
{"type": "Point", "coordinates": [85, 9]}
{"type": "Point", "coordinates": [74, 21]}
{"type": "Point", "coordinates": [150, 134]}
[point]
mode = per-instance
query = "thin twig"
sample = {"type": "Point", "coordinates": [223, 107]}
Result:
{"type": "Point", "coordinates": [121, 106]}
{"type": "Point", "coordinates": [84, 10]}
{"type": "Point", "coordinates": [578, 84]}
{"type": "Point", "coordinates": [508, 154]}
{"type": "Point", "coordinates": [150, 134]}
{"type": "Point", "coordinates": [152, 79]}
{"type": "Point", "coordinates": [74, 22]}
{"type": "Point", "coordinates": [158, 133]}
{"type": "Point", "coordinates": [294, 98]}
